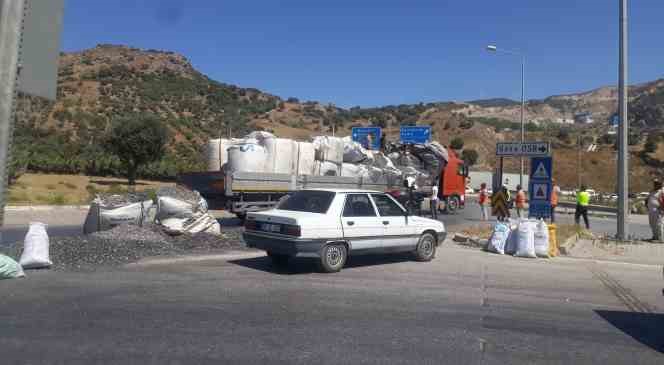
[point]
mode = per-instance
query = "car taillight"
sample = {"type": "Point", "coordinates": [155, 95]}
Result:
{"type": "Point", "coordinates": [250, 224]}
{"type": "Point", "coordinates": [291, 230]}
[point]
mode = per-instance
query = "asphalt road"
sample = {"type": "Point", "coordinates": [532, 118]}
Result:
{"type": "Point", "coordinates": [465, 307]}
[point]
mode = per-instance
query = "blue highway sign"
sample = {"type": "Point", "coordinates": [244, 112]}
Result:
{"type": "Point", "coordinates": [540, 186]}
{"type": "Point", "coordinates": [415, 134]}
{"type": "Point", "coordinates": [368, 137]}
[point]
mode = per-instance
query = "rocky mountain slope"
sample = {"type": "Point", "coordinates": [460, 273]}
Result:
{"type": "Point", "coordinates": [99, 84]}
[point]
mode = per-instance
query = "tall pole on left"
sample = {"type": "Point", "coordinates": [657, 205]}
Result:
{"type": "Point", "coordinates": [523, 107]}
{"type": "Point", "coordinates": [623, 131]}
{"type": "Point", "coordinates": [11, 28]}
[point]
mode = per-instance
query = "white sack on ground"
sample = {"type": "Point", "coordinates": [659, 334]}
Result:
{"type": "Point", "coordinates": [197, 223]}
{"type": "Point", "coordinates": [9, 268]}
{"type": "Point", "coordinates": [512, 240]}
{"type": "Point", "coordinates": [541, 239]}
{"type": "Point", "coordinates": [498, 238]}
{"type": "Point", "coordinates": [526, 240]}
{"type": "Point", "coordinates": [305, 158]}
{"type": "Point", "coordinates": [168, 207]}
{"type": "Point", "coordinates": [134, 213]}
{"type": "Point", "coordinates": [35, 248]}
{"type": "Point", "coordinates": [247, 157]}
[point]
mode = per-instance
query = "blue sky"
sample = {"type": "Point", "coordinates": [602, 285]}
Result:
{"type": "Point", "coordinates": [380, 52]}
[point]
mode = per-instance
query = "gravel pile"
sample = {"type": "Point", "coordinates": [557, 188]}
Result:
{"type": "Point", "coordinates": [125, 244]}
{"type": "Point", "coordinates": [179, 193]}
{"type": "Point", "coordinates": [118, 200]}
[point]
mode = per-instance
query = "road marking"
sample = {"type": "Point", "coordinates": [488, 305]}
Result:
{"type": "Point", "coordinates": [234, 255]}
{"type": "Point", "coordinates": [622, 293]}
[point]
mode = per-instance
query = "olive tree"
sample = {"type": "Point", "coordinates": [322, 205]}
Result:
{"type": "Point", "coordinates": [137, 140]}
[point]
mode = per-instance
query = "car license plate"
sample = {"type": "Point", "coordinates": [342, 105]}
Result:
{"type": "Point", "coordinates": [268, 227]}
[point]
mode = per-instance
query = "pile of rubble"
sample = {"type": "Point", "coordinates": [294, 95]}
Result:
{"type": "Point", "coordinates": [126, 244]}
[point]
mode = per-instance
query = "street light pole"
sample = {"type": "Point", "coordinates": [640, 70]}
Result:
{"type": "Point", "coordinates": [623, 133]}
{"type": "Point", "coordinates": [493, 48]}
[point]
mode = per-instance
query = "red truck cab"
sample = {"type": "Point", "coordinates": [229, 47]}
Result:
{"type": "Point", "coordinates": [452, 184]}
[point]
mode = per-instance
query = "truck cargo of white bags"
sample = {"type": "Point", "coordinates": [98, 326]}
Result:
{"type": "Point", "coordinates": [9, 268]}
{"type": "Point", "coordinates": [306, 156]}
{"type": "Point", "coordinates": [217, 153]}
{"type": "Point", "coordinates": [281, 155]}
{"type": "Point", "coordinates": [35, 248]}
{"type": "Point", "coordinates": [325, 168]}
{"type": "Point", "coordinates": [353, 170]}
{"type": "Point", "coordinates": [354, 152]}
{"type": "Point", "coordinates": [246, 157]}
{"type": "Point", "coordinates": [329, 149]}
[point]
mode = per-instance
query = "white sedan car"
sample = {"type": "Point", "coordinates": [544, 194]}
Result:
{"type": "Point", "coordinates": [332, 224]}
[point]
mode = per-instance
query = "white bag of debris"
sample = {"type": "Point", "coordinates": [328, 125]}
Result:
{"type": "Point", "coordinates": [512, 240]}
{"type": "Point", "coordinates": [199, 222]}
{"type": "Point", "coordinates": [217, 152]}
{"type": "Point", "coordinates": [541, 239]}
{"type": "Point", "coordinates": [306, 157]}
{"type": "Point", "coordinates": [35, 248]}
{"type": "Point", "coordinates": [246, 157]}
{"type": "Point", "coordinates": [329, 149]}
{"type": "Point", "coordinates": [259, 136]}
{"type": "Point", "coordinates": [168, 207]}
{"type": "Point", "coordinates": [281, 155]}
{"type": "Point", "coordinates": [352, 170]}
{"type": "Point", "coordinates": [498, 238]}
{"type": "Point", "coordinates": [9, 268]}
{"type": "Point", "coordinates": [526, 240]}
{"type": "Point", "coordinates": [134, 213]}
{"type": "Point", "coordinates": [354, 152]}
{"type": "Point", "coordinates": [382, 161]}
{"type": "Point", "coordinates": [325, 168]}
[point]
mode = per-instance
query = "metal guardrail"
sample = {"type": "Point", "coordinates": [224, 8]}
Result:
{"type": "Point", "coordinates": [591, 207]}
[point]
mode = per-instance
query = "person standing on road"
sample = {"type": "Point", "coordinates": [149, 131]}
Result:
{"type": "Point", "coordinates": [655, 209]}
{"type": "Point", "coordinates": [434, 201]}
{"type": "Point", "coordinates": [582, 201]}
{"type": "Point", "coordinates": [483, 201]}
{"type": "Point", "coordinates": [555, 191]}
{"type": "Point", "coordinates": [520, 201]}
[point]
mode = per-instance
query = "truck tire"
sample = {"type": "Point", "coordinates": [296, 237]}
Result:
{"type": "Point", "coordinates": [333, 258]}
{"type": "Point", "coordinates": [278, 259]}
{"type": "Point", "coordinates": [452, 204]}
{"type": "Point", "coordinates": [426, 248]}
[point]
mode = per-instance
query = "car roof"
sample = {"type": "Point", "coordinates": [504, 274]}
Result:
{"type": "Point", "coordinates": [335, 190]}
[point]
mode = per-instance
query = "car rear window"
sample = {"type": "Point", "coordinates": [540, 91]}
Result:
{"type": "Point", "coordinates": [308, 201]}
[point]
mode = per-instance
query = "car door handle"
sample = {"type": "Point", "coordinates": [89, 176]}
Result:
{"type": "Point", "coordinates": [386, 222]}
{"type": "Point", "coordinates": [350, 223]}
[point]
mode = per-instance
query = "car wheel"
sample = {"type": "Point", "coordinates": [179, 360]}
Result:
{"type": "Point", "coordinates": [333, 258]}
{"type": "Point", "coordinates": [278, 259]}
{"type": "Point", "coordinates": [453, 204]}
{"type": "Point", "coordinates": [426, 248]}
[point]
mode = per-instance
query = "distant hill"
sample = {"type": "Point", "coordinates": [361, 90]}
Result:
{"type": "Point", "coordinates": [99, 84]}
{"type": "Point", "coordinates": [495, 102]}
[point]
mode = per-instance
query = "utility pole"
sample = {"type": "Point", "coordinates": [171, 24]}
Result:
{"type": "Point", "coordinates": [523, 106]}
{"type": "Point", "coordinates": [623, 133]}
{"type": "Point", "coordinates": [11, 28]}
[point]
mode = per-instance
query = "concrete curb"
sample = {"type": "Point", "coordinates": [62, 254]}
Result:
{"type": "Point", "coordinates": [42, 208]}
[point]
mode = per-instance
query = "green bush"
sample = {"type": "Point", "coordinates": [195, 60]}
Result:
{"type": "Point", "coordinates": [456, 143]}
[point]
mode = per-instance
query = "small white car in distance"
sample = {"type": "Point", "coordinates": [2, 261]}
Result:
{"type": "Point", "coordinates": [332, 224]}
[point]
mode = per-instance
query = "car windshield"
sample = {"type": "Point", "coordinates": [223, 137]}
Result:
{"type": "Point", "coordinates": [308, 201]}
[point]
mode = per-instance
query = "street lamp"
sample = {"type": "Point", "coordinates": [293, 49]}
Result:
{"type": "Point", "coordinates": [493, 48]}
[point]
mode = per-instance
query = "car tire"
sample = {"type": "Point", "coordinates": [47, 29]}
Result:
{"type": "Point", "coordinates": [426, 248]}
{"type": "Point", "coordinates": [452, 205]}
{"type": "Point", "coordinates": [333, 258]}
{"type": "Point", "coordinates": [278, 259]}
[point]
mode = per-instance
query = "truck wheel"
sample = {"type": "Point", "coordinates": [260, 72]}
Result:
{"type": "Point", "coordinates": [426, 248]}
{"type": "Point", "coordinates": [452, 204]}
{"type": "Point", "coordinates": [278, 259]}
{"type": "Point", "coordinates": [333, 258]}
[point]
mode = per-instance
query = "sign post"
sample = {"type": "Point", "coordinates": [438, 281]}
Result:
{"type": "Point", "coordinates": [368, 137]}
{"type": "Point", "coordinates": [540, 187]}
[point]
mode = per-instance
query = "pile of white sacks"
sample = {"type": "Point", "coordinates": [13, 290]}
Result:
{"type": "Point", "coordinates": [176, 213]}
{"type": "Point", "coordinates": [521, 238]}
{"type": "Point", "coordinates": [324, 156]}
